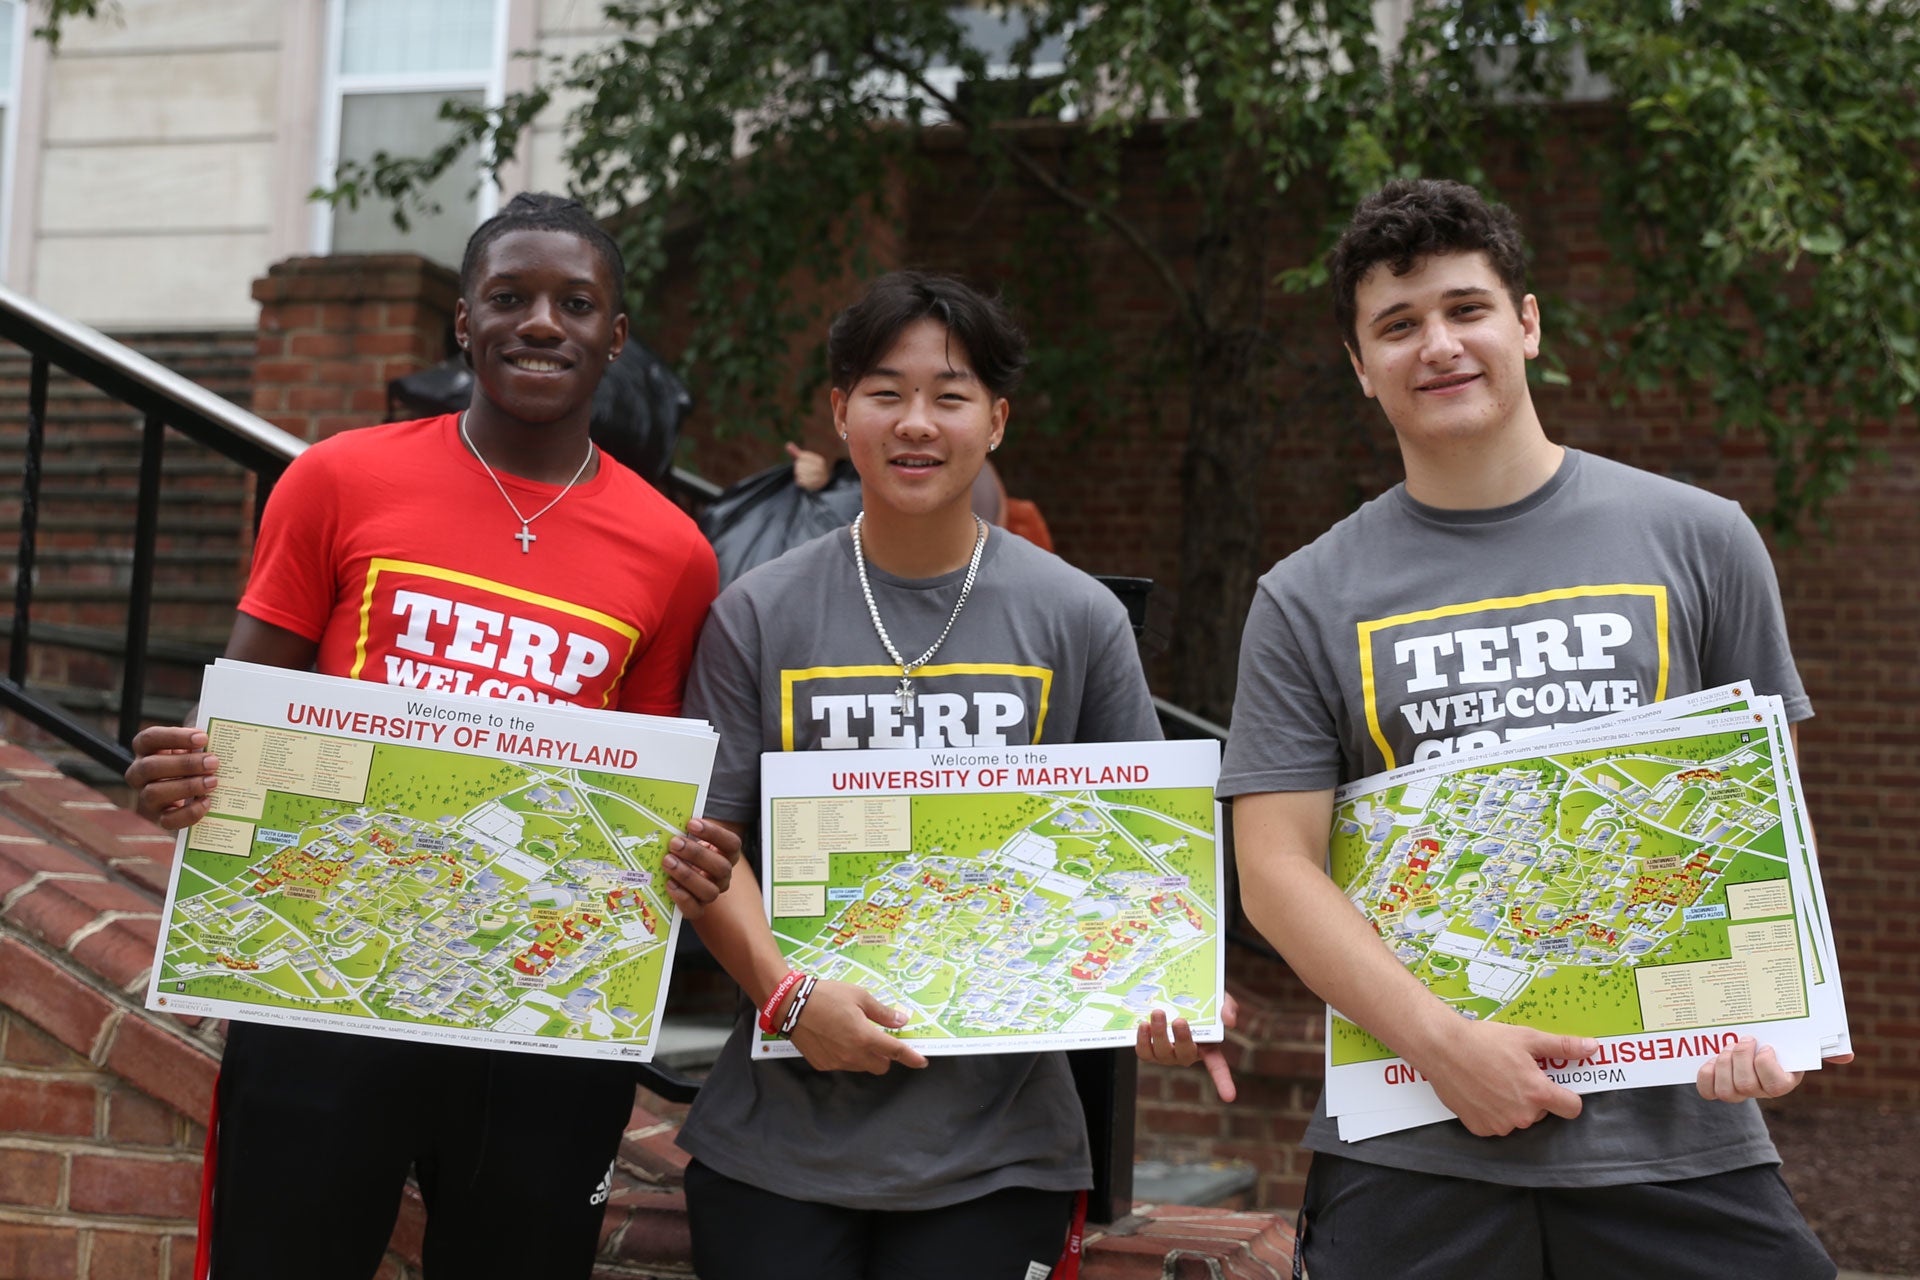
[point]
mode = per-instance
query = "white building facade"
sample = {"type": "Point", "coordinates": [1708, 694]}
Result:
{"type": "Point", "coordinates": [156, 163]}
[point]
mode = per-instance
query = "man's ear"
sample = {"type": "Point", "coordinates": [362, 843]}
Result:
{"type": "Point", "coordinates": [1360, 372]}
{"type": "Point", "coordinates": [1530, 324]}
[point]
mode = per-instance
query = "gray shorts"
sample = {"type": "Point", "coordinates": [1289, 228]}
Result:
{"type": "Point", "coordinates": [1367, 1222]}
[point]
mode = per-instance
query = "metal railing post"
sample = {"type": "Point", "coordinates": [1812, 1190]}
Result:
{"type": "Point", "coordinates": [29, 521]}
{"type": "Point", "coordinates": [146, 533]}
{"type": "Point", "coordinates": [1108, 1080]}
{"type": "Point", "coordinates": [263, 483]}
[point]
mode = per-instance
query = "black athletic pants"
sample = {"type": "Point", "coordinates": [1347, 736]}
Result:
{"type": "Point", "coordinates": [318, 1130]}
{"type": "Point", "coordinates": [743, 1233]}
{"type": "Point", "coordinates": [1365, 1221]}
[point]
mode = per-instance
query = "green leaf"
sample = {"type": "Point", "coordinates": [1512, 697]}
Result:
{"type": "Point", "coordinates": [1825, 242]}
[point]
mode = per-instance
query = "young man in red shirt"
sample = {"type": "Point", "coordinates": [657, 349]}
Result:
{"type": "Point", "coordinates": [495, 552]}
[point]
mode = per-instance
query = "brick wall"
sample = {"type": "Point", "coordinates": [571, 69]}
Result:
{"type": "Point", "coordinates": [334, 331]}
{"type": "Point", "coordinates": [97, 1179]}
{"type": "Point", "coordinates": [100, 1101]}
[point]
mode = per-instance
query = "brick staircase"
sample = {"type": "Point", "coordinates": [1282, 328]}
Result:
{"type": "Point", "coordinates": [89, 487]}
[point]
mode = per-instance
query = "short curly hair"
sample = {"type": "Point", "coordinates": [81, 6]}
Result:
{"type": "Point", "coordinates": [1410, 220]}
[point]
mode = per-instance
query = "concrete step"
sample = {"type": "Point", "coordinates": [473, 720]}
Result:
{"type": "Point", "coordinates": [99, 565]}
{"type": "Point", "coordinates": [100, 679]}
{"type": "Point", "coordinates": [116, 459]}
{"type": "Point", "coordinates": [230, 349]}
{"type": "Point", "coordinates": [113, 498]}
{"type": "Point", "coordinates": [64, 658]}
{"type": "Point", "coordinates": [109, 464]}
{"type": "Point", "coordinates": [112, 593]}
{"type": "Point", "coordinates": [64, 389]}
{"type": "Point", "coordinates": [116, 445]}
{"type": "Point", "coordinates": [59, 528]}
{"type": "Point", "coordinates": [690, 1042]}
{"type": "Point", "coordinates": [90, 406]}
{"type": "Point", "coordinates": [188, 608]}
{"type": "Point", "coordinates": [65, 491]}
{"type": "Point", "coordinates": [159, 708]}
{"type": "Point", "coordinates": [52, 557]}
{"type": "Point", "coordinates": [71, 404]}
{"type": "Point", "coordinates": [1210, 1183]}
{"type": "Point", "coordinates": [196, 646]}
{"type": "Point", "coordinates": [98, 709]}
{"type": "Point", "coordinates": [67, 406]}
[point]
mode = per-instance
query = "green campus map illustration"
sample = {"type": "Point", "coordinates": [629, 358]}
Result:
{"type": "Point", "coordinates": [1603, 891]}
{"type": "Point", "coordinates": [412, 885]}
{"type": "Point", "coordinates": [1007, 913]}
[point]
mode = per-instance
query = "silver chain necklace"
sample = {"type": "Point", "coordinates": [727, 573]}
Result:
{"type": "Point", "coordinates": [905, 692]}
{"type": "Point", "coordinates": [525, 537]}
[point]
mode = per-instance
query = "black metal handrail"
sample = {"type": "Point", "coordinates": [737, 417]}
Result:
{"type": "Point", "coordinates": [164, 399]}
{"type": "Point", "coordinates": [692, 487]}
{"type": "Point", "coordinates": [1178, 722]}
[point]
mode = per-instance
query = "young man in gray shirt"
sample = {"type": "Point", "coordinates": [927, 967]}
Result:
{"type": "Point", "coordinates": [916, 626]}
{"type": "Point", "coordinates": [1507, 586]}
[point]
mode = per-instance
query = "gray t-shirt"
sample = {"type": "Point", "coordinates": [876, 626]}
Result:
{"type": "Point", "coordinates": [789, 661]}
{"type": "Point", "coordinates": [1407, 632]}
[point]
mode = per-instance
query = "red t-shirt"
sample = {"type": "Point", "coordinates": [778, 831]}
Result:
{"type": "Point", "coordinates": [391, 549]}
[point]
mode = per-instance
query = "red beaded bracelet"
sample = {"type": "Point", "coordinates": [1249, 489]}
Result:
{"type": "Point", "coordinates": [774, 1001]}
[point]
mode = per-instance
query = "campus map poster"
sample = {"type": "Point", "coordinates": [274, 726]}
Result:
{"type": "Point", "coordinates": [426, 866]}
{"type": "Point", "coordinates": [1021, 898]}
{"type": "Point", "coordinates": [1646, 881]}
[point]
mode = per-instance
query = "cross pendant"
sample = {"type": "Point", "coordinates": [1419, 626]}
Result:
{"type": "Point", "coordinates": [527, 539]}
{"type": "Point", "coordinates": [906, 695]}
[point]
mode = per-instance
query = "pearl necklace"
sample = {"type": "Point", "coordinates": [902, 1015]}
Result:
{"type": "Point", "coordinates": [525, 537]}
{"type": "Point", "coordinates": [905, 692]}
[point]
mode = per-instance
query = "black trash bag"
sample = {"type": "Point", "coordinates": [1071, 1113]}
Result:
{"type": "Point", "coordinates": [446, 387]}
{"type": "Point", "coordinates": [637, 409]}
{"type": "Point", "coordinates": [637, 412]}
{"type": "Point", "coordinates": [768, 514]}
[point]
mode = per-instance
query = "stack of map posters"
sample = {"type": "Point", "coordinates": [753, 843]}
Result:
{"type": "Point", "coordinates": [1648, 879]}
{"type": "Point", "coordinates": [427, 866]}
{"type": "Point", "coordinates": [1009, 898]}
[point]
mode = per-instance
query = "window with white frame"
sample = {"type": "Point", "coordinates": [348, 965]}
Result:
{"type": "Point", "coordinates": [13, 22]}
{"type": "Point", "coordinates": [993, 32]}
{"type": "Point", "coordinates": [390, 65]}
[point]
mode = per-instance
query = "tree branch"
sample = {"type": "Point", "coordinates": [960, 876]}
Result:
{"type": "Point", "coordinates": [1182, 296]}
